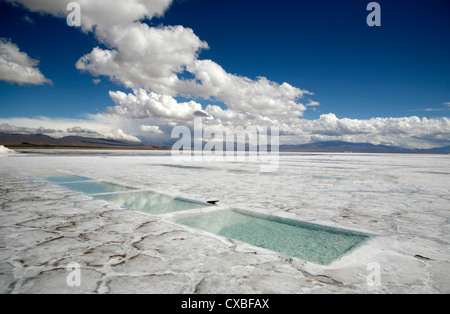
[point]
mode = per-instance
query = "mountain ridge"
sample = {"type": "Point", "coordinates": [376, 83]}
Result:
{"type": "Point", "coordinates": [341, 146]}
{"type": "Point", "coordinates": [41, 141]}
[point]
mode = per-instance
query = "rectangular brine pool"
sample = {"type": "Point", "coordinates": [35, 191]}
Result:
{"type": "Point", "coordinates": [94, 187]}
{"type": "Point", "coordinates": [63, 178]}
{"type": "Point", "coordinates": [310, 242]}
{"type": "Point", "coordinates": [307, 241]}
{"type": "Point", "coordinates": [152, 203]}
{"type": "Point", "coordinates": [144, 201]}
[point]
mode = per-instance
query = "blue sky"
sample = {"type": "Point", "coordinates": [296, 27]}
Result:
{"type": "Point", "coordinates": [354, 71]}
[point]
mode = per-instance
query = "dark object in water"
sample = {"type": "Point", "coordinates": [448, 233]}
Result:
{"type": "Point", "coordinates": [212, 202]}
{"type": "Point", "coordinates": [422, 257]}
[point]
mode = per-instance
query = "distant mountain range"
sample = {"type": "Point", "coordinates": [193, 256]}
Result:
{"type": "Point", "coordinates": [35, 141]}
{"type": "Point", "coordinates": [340, 146]}
{"type": "Point", "coordinates": [23, 141]}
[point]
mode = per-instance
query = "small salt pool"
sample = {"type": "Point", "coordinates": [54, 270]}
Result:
{"type": "Point", "coordinates": [64, 178]}
{"type": "Point", "coordinates": [95, 187]}
{"type": "Point", "coordinates": [85, 185]}
{"type": "Point", "coordinates": [144, 201]}
{"type": "Point", "coordinates": [310, 242]}
{"type": "Point", "coordinates": [151, 203]}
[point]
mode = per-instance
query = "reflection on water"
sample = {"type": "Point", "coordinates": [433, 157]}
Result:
{"type": "Point", "coordinates": [64, 178]}
{"type": "Point", "coordinates": [146, 201]}
{"type": "Point", "coordinates": [151, 203]}
{"type": "Point", "coordinates": [95, 187]}
{"type": "Point", "coordinates": [310, 242]}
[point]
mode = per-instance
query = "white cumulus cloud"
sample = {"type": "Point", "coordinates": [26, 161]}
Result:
{"type": "Point", "coordinates": [17, 67]}
{"type": "Point", "coordinates": [143, 56]}
{"type": "Point", "coordinates": [260, 96]}
{"type": "Point", "coordinates": [95, 126]}
{"type": "Point", "coordinates": [413, 132]}
{"type": "Point", "coordinates": [143, 105]}
{"type": "Point", "coordinates": [103, 13]}
{"type": "Point", "coordinates": [151, 129]}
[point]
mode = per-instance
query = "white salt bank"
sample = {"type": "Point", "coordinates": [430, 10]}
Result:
{"type": "Point", "coordinates": [5, 150]}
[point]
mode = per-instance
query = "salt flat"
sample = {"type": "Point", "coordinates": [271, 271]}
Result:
{"type": "Point", "coordinates": [402, 199]}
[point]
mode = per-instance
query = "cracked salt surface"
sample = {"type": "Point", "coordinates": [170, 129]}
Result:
{"type": "Point", "coordinates": [404, 199]}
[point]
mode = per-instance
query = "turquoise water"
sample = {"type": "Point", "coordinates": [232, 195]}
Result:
{"type": "Point", "coordinates": [64, 178]}
{"type": "Point", "coordinates": [95, 187]}
{"type": "Point", "coordinates": [147, 202]}
{"type": "Point", "coordinates": [151, 203]}
{"type": "Point", "coordinates": [310, 242]}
